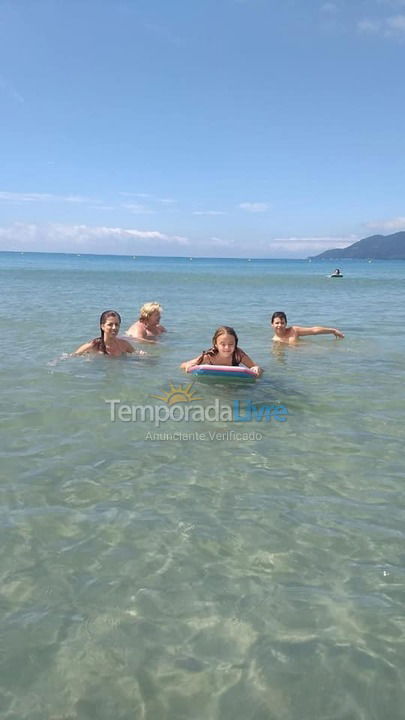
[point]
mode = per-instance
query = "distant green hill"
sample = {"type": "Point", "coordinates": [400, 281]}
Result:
{"type": "Point", "coordinates": [376, 247]}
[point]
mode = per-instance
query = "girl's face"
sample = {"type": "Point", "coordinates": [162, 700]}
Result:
{"type": "Point", "coordinates": [111, 326]}
{"type": "Point", "coordinates": [279, 323]}
{"type": "Point", "coordinates": [225, 344]}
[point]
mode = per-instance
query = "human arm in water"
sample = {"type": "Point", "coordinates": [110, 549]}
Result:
{"type": "Point", "coordinates": [94, 346]}
{"type": "Point", "coordinates": [249, 363]}
{"type": "Point", "coordinates": [86, 348]}
{"type": "Point", "coordinates": [316, 330]}
{"type": "Point", "coordinates": [243, 358]}
{"type": "Point", "coordinates": [195, 361]}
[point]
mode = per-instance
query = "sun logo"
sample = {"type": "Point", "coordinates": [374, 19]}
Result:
{"type": "Point", "coordinates": [179, 394]}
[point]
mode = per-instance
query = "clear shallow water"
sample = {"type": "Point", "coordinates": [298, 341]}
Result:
{"type": "Point", "coordinates": [202, 579]}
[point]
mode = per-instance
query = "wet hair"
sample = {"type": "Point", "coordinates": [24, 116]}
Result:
{"type": "Point", "coordinates": [279, 314]}
{"type": "Point", "coordinates": [213, 350]}
{"type": "Point", "coordinates": [99, 343]}
{"type": "Point", "coordinates": [148, 309]}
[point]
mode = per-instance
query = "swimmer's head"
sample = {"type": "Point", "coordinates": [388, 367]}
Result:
{"type": "Point", "coordinates": [279, 314]}
{"type": "Point", "coordinates": [110, 320]}
{"type": "Point", "coordinates": [150, 311]}
{"type": "Point", "coordinates": [109, 314]}
{"type": "Point", "coordinates": [224, 341]}
{"type": "Point", "coordinates": [224, 330]}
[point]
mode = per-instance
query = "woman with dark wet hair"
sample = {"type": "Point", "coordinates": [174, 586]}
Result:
{"type": "Point", "coordinates": [108, 343]}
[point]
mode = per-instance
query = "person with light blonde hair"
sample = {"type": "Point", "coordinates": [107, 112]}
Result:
{"type": "Point", "coordinates": [147, 328]}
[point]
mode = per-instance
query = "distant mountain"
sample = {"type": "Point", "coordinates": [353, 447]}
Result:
{"type": "Point", "coordinates": [376, 247]}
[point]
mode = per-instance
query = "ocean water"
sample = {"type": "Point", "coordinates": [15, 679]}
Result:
{"type": "Point", "coordinates": [204, 570]}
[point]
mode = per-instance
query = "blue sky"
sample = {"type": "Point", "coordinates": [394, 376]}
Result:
{"type": "Point", "coordinates": [241, 128]}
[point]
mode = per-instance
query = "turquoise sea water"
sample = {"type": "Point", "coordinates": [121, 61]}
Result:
{"type": "Point", "coordinates": [202, 579]}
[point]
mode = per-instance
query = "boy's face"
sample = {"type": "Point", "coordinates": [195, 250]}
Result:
{"type": "Point", "coordinates": [279, 323]}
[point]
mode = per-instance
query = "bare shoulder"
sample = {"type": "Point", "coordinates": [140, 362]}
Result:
{"type": "Point", "coordinates": [297, 330]}
{"type": "Point", "coordinates": [135, 330]}
{"type": "Point", "coordinates": [126, 346]}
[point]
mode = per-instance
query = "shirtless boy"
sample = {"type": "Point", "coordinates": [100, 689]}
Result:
{"type": "Point", "coordinates": [290, 335]}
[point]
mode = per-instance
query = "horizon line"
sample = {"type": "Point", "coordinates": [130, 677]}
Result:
{"type": "Point", "coordinates": [186, 257]}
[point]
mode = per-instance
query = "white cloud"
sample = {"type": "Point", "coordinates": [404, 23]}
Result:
{"type": "Point", "coordinates": [144, 196]}
{"type": "Point", "coordinates": [254, 207]}
{"type": "Point", "coordinates": [388, 26]}
{"type": "Point", "coordinates": [369, 26]}
{"type": "Point", "coordinates": [310, 245]}
{"type": "Point", "coordinates": [57, 237]}
{"type": "Point", "coordinates": [137, 209]}
{"type": "Point", "coordinates": [180, 239]}
{"type": "Point", "coordinates": [75, 199]}
{"type": "Point", "coordinates": [394, 224]}
{"type": "Point", "coordinates": [166, 201]}
{"type": "Point", "coordinates": [24, 197]}
{"type": "Point", "coordinates": [102, 207]}
{"type": "Point", "coordinates": [208, 212]}
{"type": "Point", "coordinates": [329, 7]}
{"type": "Point", "coordinates": [149, 196]}
{"type": "Point", "coordinates": [396, 23]}
{"type": "Point", "coordinates": [392, 3]}
{"type": "Point", "coordinates": [221, 242]}
{"type": "Point", "coordinates": [19, 198]}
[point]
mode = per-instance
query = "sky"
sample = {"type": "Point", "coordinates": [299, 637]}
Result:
{"type": "Point", "coordinates": [204, 128]}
